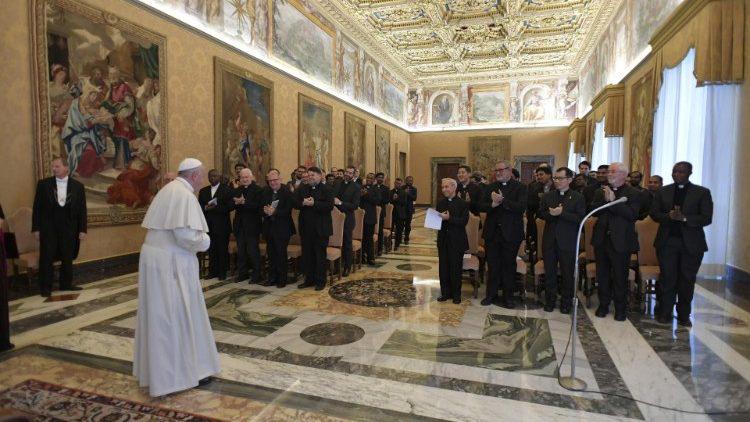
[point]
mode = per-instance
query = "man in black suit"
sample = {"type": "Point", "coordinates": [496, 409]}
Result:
{"type": "Point", "coordinates": [595, 185]}
{"type": "Point", "coordinates": [452, 241]}
{"type": "Point", "coordinates": [634, 179]}
{"type": "Point", "coordinates": [278, 227]}
{"type": "Point", "coordinates": [411, 196]}
{"type": "Point", "coordinates": [584, 168]}
{"type": "Point", "coordinates": [562, 210]}
{"type": "Point", "coordinates": [247, 227]}
{"type": "Point", "coordinates": [385, 199]}
{"type": "Point", "coordinates": [504, 202]}
{"type": "Point", "coordinates": [398, 199]}
{"type": "Point", "coordinates": [468, 190]}
{"type": "Point", "coordinates": [542, 185]}
{"type": "Point", "coordinates": [59, 223]}
{"type": "Point", "coordinates": [655, 183]}
{"type": "Point", "coordinates": [315, 201]}
{"type": "Point", "coordinates": [614, 240]}
{"type": "Point", "coordinates": [215, 201]}
{"type": "Point", "coordinates": [682, 210]}
{"type": "Point", "coordinates": [369, 199]}
{"type": "Point", "coordinates": [297, 178]}
{"type": "Point", "coordinates": [347, 201]}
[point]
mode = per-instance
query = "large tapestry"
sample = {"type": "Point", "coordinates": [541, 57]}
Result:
{"type": "Point", "coordinates": [641, 125]}
{"type": "Point", "coordinates": [382, 150]}
{"type": "Point", "coordinates": [486, 151]}
{"type": "Point", "coordinates": [315, 132]}
{"type": "Point", "coordinates": [100, 104]}
{"type": "Point", "coordinates": [354, 141]}
{"type": "Point", "coordinates": [243, 121]}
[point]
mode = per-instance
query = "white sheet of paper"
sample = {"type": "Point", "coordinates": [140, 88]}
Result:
{"type": "Point", "coordinates": [214, 201]}
{"type": "Point", "coordinates": [275, 204]}
{"type": "Point", "coordinates": [432, 220]}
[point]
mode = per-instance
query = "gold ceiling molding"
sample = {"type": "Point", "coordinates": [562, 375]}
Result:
{"type": "Point", "coordinates": [430, 43]}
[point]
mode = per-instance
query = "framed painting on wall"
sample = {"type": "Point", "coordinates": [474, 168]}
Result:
{"type": "Point", "coordinates": [354, 142]}
{"type": "Point", "coordinates": [489, 104]}
{"type": "Point", "coordinates": [315, 133]}
{"type": "Point", "coordinates": [382, 150]}
{"type": "Point", "coordinates": [100, 104]}
{"type": "Point", "coordinates": [243, 132]}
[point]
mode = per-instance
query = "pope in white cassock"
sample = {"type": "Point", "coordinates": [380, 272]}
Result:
{"type": "Point", "coordinates": [174, 344]}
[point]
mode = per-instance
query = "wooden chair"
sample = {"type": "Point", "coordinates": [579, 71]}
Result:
{"type": "Point", "coordinates": [335, 242]}
{"type": "Point", "coordinates": [359, 226]}
{"type": "Point", "coordinates": [19, 223]}
{"type": "Point", "coordinates": [539, 264]}
{"type": "Point", "coordinates": [648, 263]}
{"type": "Point", "coordinates": [471, 262]}
{"type": "Point", "coordinates": [388, 228]}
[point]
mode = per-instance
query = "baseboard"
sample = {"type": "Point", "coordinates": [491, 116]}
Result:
{"type": "Point", "coordinates": [737, 274]}
{"type": "Point", "coordinates": [98, 269]}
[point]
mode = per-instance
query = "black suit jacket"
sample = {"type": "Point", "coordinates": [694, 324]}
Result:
{"type": "Point", "coordinates": [280, 224]}
{"type": "Point", "coordinates": [349, 194]}
{"type": "Point", "coordinates": [398, 199]}
{"type": "Point", "coordinates": [506, 219]}
{"type": "Point", "coordinates": [452, 231]}
{"type": "Point", "coordinates": [75, 212]}
{"type": "Point", "coordinates": [369, 199]}
{"type": "Point", "coordinates": [317, 218]}
{"type": "Point", "coordinates": [217, 217]}
{"type": "Point", "coordinates": [697, 208]}
{"type": "Point", "coordinates": [385, 197]}
{"type": "Point", "coordinates": [411, 196]}
{"type": "Point", "coordinates": [618, 220]}
{"type": "Point", "coordinates": [534, 199]}
{"type": "Point", "coordinates": [248, 216]}
{"type": "Point", "coordinates": [646, 198]}
{"type": "Point", "coordinates": [561, 230]}
{"type": "Point", "coordinates": [472, 194]}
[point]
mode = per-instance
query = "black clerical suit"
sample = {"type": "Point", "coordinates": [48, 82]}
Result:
{"type": "Point", "coordinates": [398, 199]}
{"type": "Point", "coordinates": [369, 199]}
{"type": "Point", "coordinates": [452, 243]}
{"type": "Point", "coordinates": [614, 241]}
{"type": "Point", "coordinates": [316, 226]}
{"type": "Point", "coordinates": [559, 242]}
{"type": "Point", "coordinates": [247, 231]}
{"type": "Point", "coordinates": [646, 198]}
{"type": "Point", "coordinates": [277, 229]}
{"type": "Point", "coordinates": [680, 245]}
{"type": "Point", "coordinates": [59, 228]}
{"type": "Point", "coordinates": [384, 200]}
{"type": "Point", "coordinates": [411, 196]}
{"type": "Point", "coordinates": [219, 227]}
{"type": "Point", "coordinates": [470, 193]}
{"type": "Point", "coordinates": [535, 192]}
{"type": "Point", "coordinates": [503, 233]}
{"type": "Point", "coordinates": [590, 191]}
{"type": "Point", "coordinates": [348, 194]}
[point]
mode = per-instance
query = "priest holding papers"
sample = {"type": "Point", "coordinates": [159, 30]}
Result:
{"type": "Point", "coordinates": [174, 344]}
{"type": "Point", "coordinates": [452, 241]}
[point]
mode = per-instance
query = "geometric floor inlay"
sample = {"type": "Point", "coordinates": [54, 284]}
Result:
{"type": "Point", "coordinates": [332, 334]}
{"type": "Point", "coordinates": [378, 292]}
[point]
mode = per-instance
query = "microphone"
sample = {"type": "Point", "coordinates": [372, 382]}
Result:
{"type": "Point", "coordinates": [618, 201]}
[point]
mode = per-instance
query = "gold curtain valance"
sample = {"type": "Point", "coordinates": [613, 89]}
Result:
{"type": "Point", "coordinates": [610, 104]}
{"type": "Point", "coordinates": [577, 134]}
{"type": "Point", "coordinates": [715, 28]}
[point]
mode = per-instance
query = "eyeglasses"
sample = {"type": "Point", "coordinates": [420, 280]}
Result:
{"type": "Point", "coordinates": [560, 178]}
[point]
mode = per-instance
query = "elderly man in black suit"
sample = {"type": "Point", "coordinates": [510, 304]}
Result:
{"type": "Point", "coordinates": [504, 202]}
{"type": "Point", "coordinates": [452, 241]}
{"type": "Point", "coordinates": [682, 210]}
{"type": "Point", "coordinates": [215, 200]}
{"type": "Point", "coordinates": [562, 209]}
{"type": "Point", "coordinates": [347, 201]}
{"type": "Point", "coordinates": [315, 201]}
{"type": "Point", "coordinates": [369, 199]}
{"type": "Point", "coordinates": [278, 226]}
{"type": "Point", "coordinates": [247, 227]}
{"type": "Point", "coordinates": [411, 196]}
{"type": "Point", "coordinates": [59, 223]}
{"type": "Point", "coordinates": [614, 240]}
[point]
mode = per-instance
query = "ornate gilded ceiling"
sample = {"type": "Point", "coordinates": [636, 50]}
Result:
{"type": "Point", "coordinates": [448, 42]}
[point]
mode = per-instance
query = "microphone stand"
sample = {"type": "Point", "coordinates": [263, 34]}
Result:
{"type": "Point", "coordinates": [571, 382]}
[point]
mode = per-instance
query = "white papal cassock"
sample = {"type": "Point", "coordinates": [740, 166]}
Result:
{"type": "Point", "coordinates": [174, 344]}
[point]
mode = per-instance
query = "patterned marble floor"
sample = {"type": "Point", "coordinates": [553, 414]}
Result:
{"type": "Point", "coordinates": [378, 346]}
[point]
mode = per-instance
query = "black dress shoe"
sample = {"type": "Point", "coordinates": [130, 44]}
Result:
{"type": "Point", "coordinates": [305, 285]}
{"type": "Point", "coordinates": [620, 316]}
{"type": "Point", "coordinates": [209, 276]}
{"type": "Point", "coordinates": [487, 301]}
{"type": "Point", "coordinates": [241, 278]}
{"type": "Point", "coordinates": [319, 287]}
{"type": "Point", "coordinates": [406, 242]}
{"type": "Point", "coordinates": [664, 319]}
{"type": "Point", "coordinates": [46, 293]}
{"type": "Point", "coordinates": [281, 285]}
{"type": "Point", "coordinates": [345, 273]}
{"type": "Point", "coordinates": [267, 283]}
{"type": "Point", "coordinates": [443, 298]}
{"type": "Point", "coordinates": [223, 277]}
{"type": "Point", "coordinates": [601, 312]}
{"type": "Point", "coordinates": [507, 303]}
{"type": "Point", "coordinates": [457, 300]}
{"type": "Point", "coordinates": [565, 309]}
{"type": "Point", "coordinates": [549, 308]}
{"type": "Point", "coordinates": [371, 263]}
{"type": "Point", "coordinates": [71, 288]}
{"type": "Point", "coordinates": [685, 322]}
{"type": "Point", "coordinates": [205, 381]}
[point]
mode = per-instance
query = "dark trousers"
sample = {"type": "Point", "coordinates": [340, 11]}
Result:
{"type": "Point", "coordinates": [314, 258]}
{"type": "Point", "coordinates": [612, 276]}
{"type": "Point", "coordinates": [531, 234]}
{"type": "Point", "coordinates": [56, 245]}
{"type": "Point", "coordinates": [347, 254]}
{"type": "Point", "coordinates": [399, 223]}
{"type": "Point", "coordinates": [368, 250]}
{"type": "Point", "coordinates": [380, 231]}
{"type": "Point", "coordinates": [407, 225]}
{"type": "Point", "coordinates": [678, 271]}
{"type": "Point", "coordinates": [501, 260]}
{"type": "Point", "coordinates": [451, 265]}
{"type": "Point", "coordinates": [248, 255]}
{"type": "Point", "coordinates": [218, 253]}
{"type": "Point", "coordinates": [277, 259]}
{"type": "Point", "coordinates": [553, 257]}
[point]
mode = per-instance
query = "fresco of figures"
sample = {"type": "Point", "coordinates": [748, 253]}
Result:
{"type": "Point", "coordinates": [354, 141]}
{"type": "Point", "coordinates": [382, 150]}
{"type": "Point", "coordinates": [315, 132]}
{"type": "Point", "coordinates": [102, 92]}
{"type": "Point", "coordinates": [243, 132]}
{"type": "Point", "coordinates": [489, 104]}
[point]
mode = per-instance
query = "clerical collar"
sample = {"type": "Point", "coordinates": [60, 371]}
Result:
{"type": "Point", "coordinates": [563, 192]}
{"type": "Point", "coordinates": [682, 186]}
{"type": "Point", "coordinates": [450, 199]}
{"type": "Point", "coordinates": [63, 180]}
{"type": "Point", "coordinates": [615, 189]}
{"type": "Point", "coordinates": [186, 183]}
{"type": "Point", "coordinates": [464, 185]}
{"type": "Point", "coordinates": [504, 183]}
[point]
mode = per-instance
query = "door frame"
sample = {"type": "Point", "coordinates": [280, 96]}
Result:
{"type": "Point", "coordinates": [434, 161]}
{"type": "Point", "coordinates": [520, 159]}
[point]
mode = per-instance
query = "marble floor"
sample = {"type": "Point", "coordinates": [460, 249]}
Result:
{"type": "Point", "coordinates": [378, 346]}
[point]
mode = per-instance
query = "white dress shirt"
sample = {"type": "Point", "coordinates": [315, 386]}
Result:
{"type": "Point", "coordinates": [214, 188]}
{"type": "Point", "coordinates": [62, 190]}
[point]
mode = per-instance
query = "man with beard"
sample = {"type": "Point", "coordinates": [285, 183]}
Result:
{"type": "Point", "coordinates": [297, 180]}
{"type": "Point", "coordinates": [595, 186]}
{"type": "Point", "coordinates": [634, 179]}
